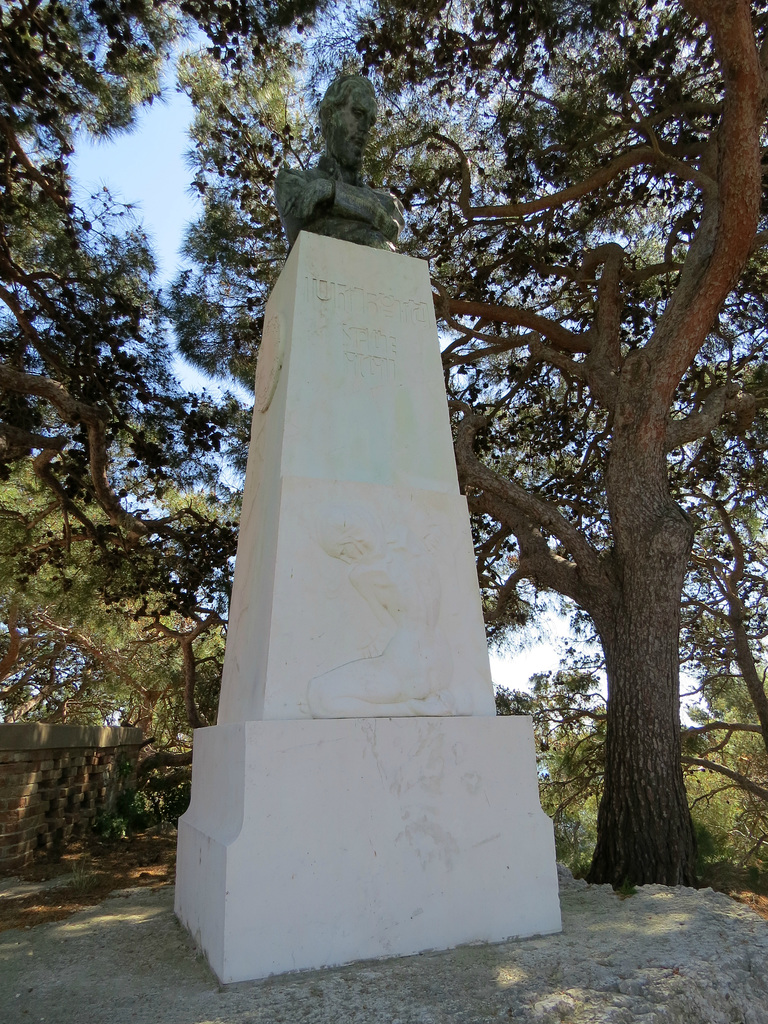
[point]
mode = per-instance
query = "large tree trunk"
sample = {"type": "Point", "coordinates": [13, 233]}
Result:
{"type": "Point", "coordinates": [645, 832]}
{"type": "Point", "coordinates": [644, 828]}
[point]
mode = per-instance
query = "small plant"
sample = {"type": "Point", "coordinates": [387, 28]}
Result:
{"type": "Point", "coordinates": [626, 889]}
{"type": "Point", "coordinates": [83, 878]}
{"type": "Point", "coordinates": [109, 826]}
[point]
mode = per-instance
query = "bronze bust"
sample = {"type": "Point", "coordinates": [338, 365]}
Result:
{"type": "Point", "coordinates": [331, 198]}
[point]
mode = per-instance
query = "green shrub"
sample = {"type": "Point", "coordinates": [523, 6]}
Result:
{"type": "Point", "coordinates": [169, 804]}
{"type": "Point", "coordinates": [109, 826]}
{"type": "Point", "coordinates": [133, 813]}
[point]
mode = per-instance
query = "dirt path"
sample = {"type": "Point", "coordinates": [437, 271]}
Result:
{"type": "Point", "coordinates": [84, 875]}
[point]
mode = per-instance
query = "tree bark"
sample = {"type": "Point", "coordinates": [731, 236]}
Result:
{"type": "Point", "coordinates": [633, 596]}
{"type": "Point", "coordinates": [645, 832]}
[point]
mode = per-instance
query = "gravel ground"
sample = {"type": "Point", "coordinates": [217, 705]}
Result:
{"type": "Point", "coordinates": [677, 956]}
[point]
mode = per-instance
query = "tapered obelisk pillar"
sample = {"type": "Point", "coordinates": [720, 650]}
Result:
{"type": "Point", "coordinates": [358, 797]}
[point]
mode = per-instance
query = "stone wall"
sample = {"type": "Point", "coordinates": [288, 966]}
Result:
{"type": "Point", "coordinates": [53, 780]}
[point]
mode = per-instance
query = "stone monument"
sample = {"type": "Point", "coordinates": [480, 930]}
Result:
{"type": "Point", "coordinates": [358, 797]}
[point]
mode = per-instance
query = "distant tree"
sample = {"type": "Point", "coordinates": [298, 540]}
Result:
{"type": "Point", "coordinates": [245, 122]}
{"type": "Point", "coordinates": [725, 623]}
{"type": "Point", "coordinates": [112, 638]}
{"type": "Point", "coordinates": [568, 712]}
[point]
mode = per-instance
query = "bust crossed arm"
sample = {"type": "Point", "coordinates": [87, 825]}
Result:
{"type": "Point", "coordinates": [319, 201]}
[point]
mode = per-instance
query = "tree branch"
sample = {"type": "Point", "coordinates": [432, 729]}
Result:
{"type": "Point", "coordinates": [526, 515]}
{"type": "Point", "coordinates": [601, 176]}
{"type": "Point", "coordinates": [727, 229]}
{"type": "Point", "coordinates": [699, 730]}
{"type": "Point", "coordinates": [163, 759]}
{"type": "Point", "coordinates": [29, 167]}
{"type": "Point", "coordinates": [558, 336]}
{"type": "Point", "coordinates": [18, 444]}
{"type": "Point", "coordinates": [189, 666]}
{"type": "Point", "coordinates": [718, 403]}
{"type": "Point", "coordinates": [71, 409]}
{"type": "Point", "coordinates": [74, 411]}
{"type": "Point", "coordinates": [737, 777]}
{"type": "Point", "coordinates": [10, 657]}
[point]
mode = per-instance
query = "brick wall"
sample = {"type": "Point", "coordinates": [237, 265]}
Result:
{"type": "Point", "coordinates": [53, 780]}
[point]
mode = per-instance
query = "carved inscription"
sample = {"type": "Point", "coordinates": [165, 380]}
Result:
{"type": "Point", "coordinates": [370, 321]}
{"type": "Point", "coordinates": [349, 299]}
{"type": "Point", "coordinates": [371, 356]}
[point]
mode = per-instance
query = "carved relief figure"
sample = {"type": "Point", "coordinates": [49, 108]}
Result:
{"type": "Point", "coordinates": [407, 670]}
{"type": "Point", "coordinates": [331, 197]}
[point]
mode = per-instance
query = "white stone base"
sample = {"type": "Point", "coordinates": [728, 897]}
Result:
{"type": "Point", "coordinates": [315, 843]}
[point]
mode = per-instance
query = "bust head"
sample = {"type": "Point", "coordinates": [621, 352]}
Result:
{"type": "Point", "coordinates": [347, 113]}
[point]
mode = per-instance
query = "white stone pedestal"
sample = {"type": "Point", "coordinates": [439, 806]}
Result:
{"type": "Point", "coordinates": [354, 542]}
{"type": "Point", "coordinates": [358, 797]}
{"type": "Point", "coordinates": [315, 843]}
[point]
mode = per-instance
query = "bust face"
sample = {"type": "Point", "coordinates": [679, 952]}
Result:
{"type": "Point", "coordinates": [349, 128]}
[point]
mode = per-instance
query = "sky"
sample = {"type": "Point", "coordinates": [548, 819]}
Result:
{"type": "Point", "coordinates": [147, 167]}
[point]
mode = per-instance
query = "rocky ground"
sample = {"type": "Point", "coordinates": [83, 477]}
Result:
{"type": "Point", "coordinates": [677, 956]}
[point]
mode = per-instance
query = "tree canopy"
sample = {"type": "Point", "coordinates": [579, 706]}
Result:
{"type": "Point", "coordinates": [596, 234]}
{"type": "Point", "coordinates": [117, 530]}
{"type": "Point", "coordinates": [595, 230]}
